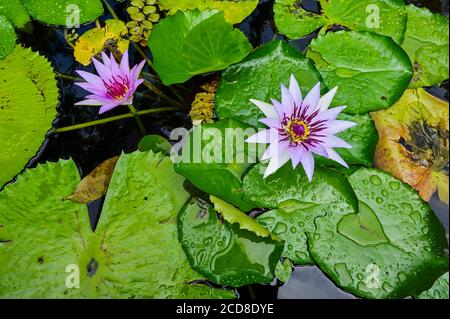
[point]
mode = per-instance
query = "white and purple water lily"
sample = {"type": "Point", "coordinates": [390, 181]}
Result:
{"type": "Point", "coordinates": [114, 85]}
{"type": "Point", "coordinates": [299, 128]}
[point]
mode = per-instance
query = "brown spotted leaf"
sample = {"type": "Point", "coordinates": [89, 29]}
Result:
{"type": "Point", "coordinates": [95, 185]}
{"type": "Point", "coordinates": [414, 142]}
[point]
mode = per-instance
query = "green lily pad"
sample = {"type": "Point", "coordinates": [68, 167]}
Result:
{"type": "Point", "coordinates": [58, 12]}
{"type": "Point", "coordinates": [296, 203]}
{"type": "Point", "coordinates": [363, 137]}
{"type": "Point", "coordinates": [195, 42]}
{"type": "Point", "coordinates": [439, 290]}
{"type": "Point", "coordinates": [385, 17]}
{"type": "Point", "coordinates": [223, 251]}
{"type": "Point", "coordinates": [155, 143]}
{"type": "Point", "coordinates": [28, 101]}
{"type": "Point", "coordinates": [7, 37]}
{"type": "Point", "coordinates": [235, 10]}
{"type": "Point", "coordinates": [371, 71]}
{"type": "Point", "coordinates": [215, 160]}
{"type": "Point", "coordinates": [15, 12]}
{"type": "Point", "coordinates": [393, 247]}
{"type": "Point", "coordinates": [259, 77]}
{"type": "Point", "coordinates": [133, 253]}
{"type": "Point", "coordinates": [427, 46]}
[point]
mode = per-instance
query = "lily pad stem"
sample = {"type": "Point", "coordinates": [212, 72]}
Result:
{"type": "Point", "coordinates": [138, 119]}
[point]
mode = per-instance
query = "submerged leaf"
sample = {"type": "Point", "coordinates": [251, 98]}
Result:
{"type": "Point", "coordinates": [28, 101]}
{"type": "Point", "coordinates": [133, 253]}
{"type": "Point", "coordinates": [414, 142]}
{"type": "Point", "coordinates": [234, 252]}
{"type": "Point", "coordinates": [94, 41]}
{"type": "Point", "coordinates": [393, 247]}
{"type": "Point", "coordinates": [371, 71]}
{"type": "Point", "coordinates": [95, 185]}
{"type": "Point", "coordinates": [235, 10]}
{"type": "Point", "coordinates": [195, 42]}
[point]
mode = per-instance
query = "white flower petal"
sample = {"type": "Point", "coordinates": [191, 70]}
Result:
{"type": "Point", "coordinates": [296, 93]}
{"type": "Point", "coordinates": [287, 100]}
{"type": "Point", "coordinates": [312, 99]}
{"type": "Point", "coordinates": [307, 161]}
{"type": "Point", "coordinates": [124, 63]}
{"type": "Point", "coordinates": [296, 155]}
{"type": "Point", "coordinates": [275, 148]}
{"type": "Point", "coordinates": [276, 162]}
{"type": "Point", "coordinates": [90, 102]}
{"type": "Point", "coordinates": [262, 137]}
{"type": "Point", "coordinates": [266, 108]}
{"type": "Point", "coordinates": [271, 122]}
{"type": "Point", "coordinates": [325, 101]}
{"type": "Point", "coordinates": [333, 155]}
{"type": "Point", "coordinates": [332, 141]}
{"type": "Point", "coordinates": [330, 114]}
{"type": "Point", "coordinates": [338, 126]}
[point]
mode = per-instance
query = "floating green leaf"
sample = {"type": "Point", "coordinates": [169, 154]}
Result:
{"type": "Point", "coordinates": [215, 158]}
{"type": "Point", "coordinates": [195, 42]}
{"type": "Point", "coordinates": [366, 254]}
{"type": "Point", "coordinates": [363, 138]}
{"type": "Point", "coordinates": [134, 252]}
{"type": "Point", "coordinates": [155, 143]}
{"type": "Point", "coordinates": [385, 17]}
{"type": "Point", "coordinates": [28, 100]}
{"type": "Point", "coordinates": [371, 71]}
{"type": "Point", "coordinates": [283, 271]}
{"type": "Point", "coordinates": [224, 251]}
{"type": "Point", "coordinates": [427, 46]}
{"type": "Point", "coordinates": [59, 12]}
{"type": "Point", "coordinates": [7, 37]}
{"type": "Point", "coordinates": [438, 291]}
{"type": "Point", "coordinates": [15, 12]}
{"type": "Point", "coordinates": [259, 77]}
{"type": "Point", "coordinates": [297, 203]}
{"type": "Point", "coordinates": [235, 10]}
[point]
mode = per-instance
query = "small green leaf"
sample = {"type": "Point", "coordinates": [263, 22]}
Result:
{"type": "Point", "coordinates": [7, 37]}
{"type": "Point", "coordinates": [59, 12]}
{"type": "Point", "coordinates": [235, 10]}
{"type": "Point", "coordinates": [28, 100]}
{"type": "Point", "coordinates": [155, 143]}
{"type": "Point", "coordinates": [439, 290]}
{"type": "Point", "coordinates": [284, 270]}
{"type": "Point", "coordinates": [427, 46]}
{"type": "Point", "coordinates": [195, 42]}
{"type": "Point", "coordinates": [226, 253]}
{"type": "Point", "coordinates": [259, 77]}
{"type": "Point", "coordinates": [215, 158]}
{"type": "Point", "coordinates": [15, 12]}
{"type": "Point", "coordinates": [371, 71]}
{"type": "Point", "coordinates": [393, 247]}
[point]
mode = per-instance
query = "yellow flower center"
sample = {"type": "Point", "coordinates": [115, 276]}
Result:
{"type": "Point", "coordinates": [297, 130]}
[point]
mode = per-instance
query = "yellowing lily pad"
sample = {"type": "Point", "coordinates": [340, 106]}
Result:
{"type": "Point", "coordinates": [235, 10]}
{"type": "Point", "coordinates": [414, 142]}
{"type": "Point", "coordinates": [94, 41]}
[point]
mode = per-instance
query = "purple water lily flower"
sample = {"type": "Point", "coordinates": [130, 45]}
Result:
{"type": "Point", "coordinates": [299, 128]}
{"type": "Point", "coordinates": [115, 85]}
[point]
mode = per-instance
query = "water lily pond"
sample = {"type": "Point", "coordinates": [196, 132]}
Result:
{"type": "Point", "coordinates": [245, 149]}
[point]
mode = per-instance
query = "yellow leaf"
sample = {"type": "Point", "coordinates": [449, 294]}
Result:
{"type": "Point", "coordinates": [414, 142]}
{"type": "Point", "coordinates": [94, 41]}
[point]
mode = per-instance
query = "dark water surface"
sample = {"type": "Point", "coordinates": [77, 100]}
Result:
{"type": "Point", "coordinates": [91, 146]}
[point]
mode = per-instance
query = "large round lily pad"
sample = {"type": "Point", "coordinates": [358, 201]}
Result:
{"type": "Point", "coordinates": [134, 252]}
{"type": "Point", "coordinates": [232, 249]}
{"type": "Point", "coordinates": [60, 12]}
{"type": "Point", "coordinates": [7, 37]}
{"type": "Point", "coordinates": [385, 17]}
{"type": "Point", "coordinates": [28, 100]}
{"type": "Point", "coordinates": [259, 77]}
{"type": "Point", "coordinates": [393, 247]}
{"type": "Point", "coordinates": [427, 46]}
{"type": "Point", "coordinates": [195, 42]}
{"type": "Point", "coordinates": [371, 71]}
{"type": "Point", "coordinates": [439, 290]}
{"type": "Point", "coordinates": [15, 12]}
{"type": "Point", "coordinates": [235, 10]}
{"type": "Point", "coordinates": [296, 203]}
